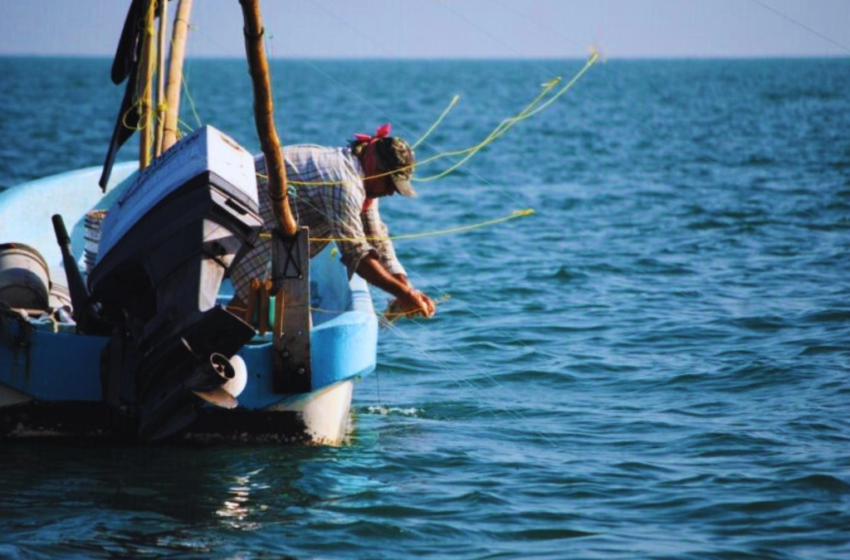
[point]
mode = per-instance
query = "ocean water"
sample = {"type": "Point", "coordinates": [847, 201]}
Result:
{"type": "Point", "coordinates": [652, 365]}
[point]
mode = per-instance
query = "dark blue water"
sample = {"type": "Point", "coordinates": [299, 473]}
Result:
{"type": "Point", "coordinates": [653, 365]}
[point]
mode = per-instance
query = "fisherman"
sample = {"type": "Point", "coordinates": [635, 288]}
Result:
{"type": "Point", "coordinates": [336, 192]}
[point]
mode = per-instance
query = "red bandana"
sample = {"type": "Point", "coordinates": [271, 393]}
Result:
{"type": "Point", "coordinates": [382, 132]}
{"type": "Point", "coordinates": [369, 157]}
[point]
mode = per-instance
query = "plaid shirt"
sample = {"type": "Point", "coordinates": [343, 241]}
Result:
{"type": "Point", "coordinates": [332, 210]}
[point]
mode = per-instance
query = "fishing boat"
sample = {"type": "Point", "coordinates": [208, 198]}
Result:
{"type": "Point", "coordinates": [113, 301]}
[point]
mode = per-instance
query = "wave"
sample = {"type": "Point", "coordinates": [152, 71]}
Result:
{"type": "Point", "coordinates": [382, 410]}
{"type": "Point", "coordinates": [555, 533]}
{"type": "Point", "coordinates": [824, 482]}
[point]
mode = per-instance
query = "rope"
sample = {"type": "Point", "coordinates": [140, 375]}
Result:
{"type": "Point", "coordinates": [161, 104]}
{"type": "Point", "coordinates": [392, 316]}
{"type": "Point", "coordinates": [189, 95]}
{"type": "Point", "coordinates": [501, 129]}
{"type": "Point", "coordinates": [512, 216]}
{"type": "Point", "coordinates": [137, 98]}
{"type": "Point", "coordinates": [529, 111]}
{"type": "Point", "coordinates": [536, 106]}
{"type": "Point", "coordinates": [437, 123]}
{"type": "Point", "coordinates": [802, 25]}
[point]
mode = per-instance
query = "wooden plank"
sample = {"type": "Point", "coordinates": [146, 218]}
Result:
{"type": "Point", "coordinates": [263, 298]}
{"type": "Point", "coordinates": [291, 284]}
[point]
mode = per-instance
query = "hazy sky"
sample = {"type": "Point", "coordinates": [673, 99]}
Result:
{"type": "Point", "coordinates": [457, 28]}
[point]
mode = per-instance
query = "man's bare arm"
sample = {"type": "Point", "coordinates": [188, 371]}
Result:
{"type": "Point", "coordinates": [371, 270]}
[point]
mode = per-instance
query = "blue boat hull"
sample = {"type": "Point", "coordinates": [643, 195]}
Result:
{"type": "Point", "coordinates": [48, 372]}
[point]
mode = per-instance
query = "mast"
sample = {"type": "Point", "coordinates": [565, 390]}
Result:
{"type": "Point", "coordinates": [160, 76]}
{"type": "Point", "coordinates": [146, 88]}
{"type": "Point", "coordinates": [264, 118]}
{"type": "Point", "coordinates": [175, 73]}
{"type": "Point", "coordinates": [292, 370]}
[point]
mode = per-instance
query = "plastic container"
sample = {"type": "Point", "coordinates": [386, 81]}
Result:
{"type": "Point", "coordinates": [93, 221]}
{"type": "Point", "coordinates": [24, 277]}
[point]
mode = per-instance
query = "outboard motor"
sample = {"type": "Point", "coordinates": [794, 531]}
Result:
{"type": "Point", "coordinates": [165, 247]}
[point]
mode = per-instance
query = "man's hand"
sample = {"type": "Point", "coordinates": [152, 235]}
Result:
{"type": "Point", "coordinates": [414, 303]}
{"type": "Point", "coordinates": [425, 305]}
{"type": "Point", "coordinates": [427, 308]}
{"type": "Point", "coordinates": [410, 302]}
{"type": "Point", "coordinates": [429, 304]}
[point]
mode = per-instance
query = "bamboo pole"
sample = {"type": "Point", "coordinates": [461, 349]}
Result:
{"type": "Point", "coordinates": [146, 89]}
{"type": "Point", "coordinates": [160, 76]}
{"type": "Point", "coordinates": [264, 118]}
{"type": "Point", "coordinates": [175, 73]}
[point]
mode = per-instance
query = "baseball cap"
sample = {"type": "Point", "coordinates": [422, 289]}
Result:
{"type": "Point", "coordinates": [396, 157]}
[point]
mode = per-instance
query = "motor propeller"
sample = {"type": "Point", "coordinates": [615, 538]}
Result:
{"type": "Point", "coordinates": [219, 379]}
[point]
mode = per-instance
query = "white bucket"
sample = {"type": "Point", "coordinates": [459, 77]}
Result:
{"type": "Point", "coordinates": [93, 221]}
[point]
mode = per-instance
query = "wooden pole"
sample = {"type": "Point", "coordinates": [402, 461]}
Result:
{"type": "Point", "coordinates": [175, 73]}
{"type": "Point", "coordinates": [264, 118]}
{"type": "Point", "coordinates": [160, 76]}
{"type": "Point", "coordinates": [146, 89]}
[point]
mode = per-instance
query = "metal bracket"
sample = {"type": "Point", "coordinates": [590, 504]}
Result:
{"type": "Point", "coordinates": [291, 284]}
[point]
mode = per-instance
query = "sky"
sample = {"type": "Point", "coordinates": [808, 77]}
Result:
{"type": "Point", "coordinates": [456, 28]}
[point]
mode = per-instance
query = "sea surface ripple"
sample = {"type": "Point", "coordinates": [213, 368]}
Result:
{"type": "Point", "coordinates": [652, 365]}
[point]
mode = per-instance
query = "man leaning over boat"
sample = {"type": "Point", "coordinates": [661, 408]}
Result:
{"type": "Point", "coordinates": [336, 192]}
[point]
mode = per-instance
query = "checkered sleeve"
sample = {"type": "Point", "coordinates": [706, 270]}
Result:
{"type": "Point", "coordinates": [255, 264]}
{"type": "Point", "coordinates": [379, 234]}
{"type": "Point", "coordinates": [342, 204]}
{"type": "Point", "coordinates": [329, 200]}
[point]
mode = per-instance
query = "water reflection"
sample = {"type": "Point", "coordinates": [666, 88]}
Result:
{"type": "Point", "coordinates": [238, 512]}
{"type": "Point", "coordinates": [134, 500]}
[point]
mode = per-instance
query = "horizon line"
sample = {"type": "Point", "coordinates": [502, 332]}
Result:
{"type": "Point", "coordinates": [607, 58]}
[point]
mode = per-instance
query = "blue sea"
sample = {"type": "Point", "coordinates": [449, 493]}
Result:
{"type": "Point", "coordinates": [653, 365]}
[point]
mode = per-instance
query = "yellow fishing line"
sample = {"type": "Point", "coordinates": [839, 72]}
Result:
{"type": "Point", "coordinates": [471, 150]}
{"type": "Point", "coordinates": [593, 60]}
{"type": "Point", "coordinates": [547, 87]}
{"type": "Point", "coordinates": [189, 97]}
{"type": "Point", "coordinates": [533, 108]}
{"type": "Point", "coordinates": [338, 312]}
{"type": "Point", "coordinates": [187, 128]}
{"type": "Point", "coordinates": [512, 216]}
{"type": "Point", "coordinates": [439, 120]}
{"type": "Point", "coordinates": [137, 102]}
{"type": "Point", "coordinates": [497, 132]}
{"type": "Point", "coordinates": [444, 298]}
{"type": "Point", "coordinates": [530, 110]}
{"type": "Point", "coordinates": [138, 98]}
